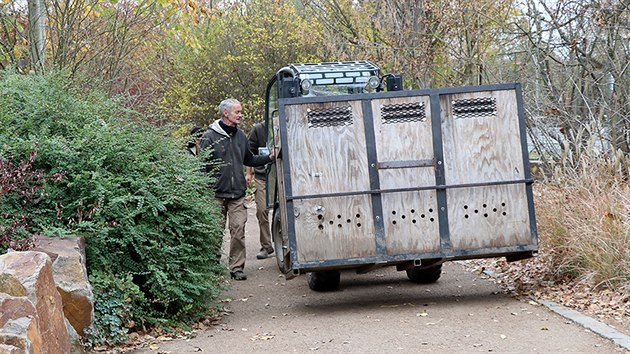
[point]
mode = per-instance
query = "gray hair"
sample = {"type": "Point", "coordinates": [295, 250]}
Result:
{"type": "Point", "coordinates": [226, 105]}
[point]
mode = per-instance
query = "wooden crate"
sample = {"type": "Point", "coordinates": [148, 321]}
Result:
{"type": "Point", "coordinates": [411, 175]}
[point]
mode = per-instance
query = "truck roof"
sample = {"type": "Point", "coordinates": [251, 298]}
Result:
{"type": "Point", "coordinates": [334, 73]}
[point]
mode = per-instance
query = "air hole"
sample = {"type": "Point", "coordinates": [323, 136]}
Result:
{"type": "Point", "coordinates": [466, 216]}
{"type": "Point", "coordinates": [394, 222]}
{"type": "Point", "coordinates": [484, 205]}
{"type": "Point", "coordinates": [485, 215]}
{"type": "Point", "coordinates": [320, 216]}
{"type": "Point", "coordinates": [422, 216]}
{"type": "Point", "coordinates": [413, 211]}
{"type": "Point", "coordinates": [393, 212]}
{"type": "Point", "coordinates": [430, 210]}
{"type": "Point", "coordinates": [359, 224]}
{"type": "Point", "coordinates": [504, 213]}
{"type": "Point", "coordinates": [502, 204]}
{"type": "Point", "coordinates": [465, 206]}
{"type": "Point", "coordinates": [331, 222]}
{"type": "Point", "coordinates": [348, 221]}
{"type": "Point", "coordinates": [358, 216]}
{"type": "Point", "coordinates": [403, 216]}
{"type": "Point", "coordinates": [494, 209]}
{"type": "Point", "coordinates": [339, 226]}
{"type": "Point", "coordinates": [338, 216]}
{"type": "Point", "coordinates": [321, 227]}
{"type": "Point", "coordinates": [413, 221]}
{"type": "Point", "coordinates": [432, 219]}
{"type": "Point", "coordinates": [476, 211]}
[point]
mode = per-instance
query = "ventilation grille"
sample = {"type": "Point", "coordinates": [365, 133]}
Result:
{"type": "Point", "coordinates": [475, 107]}
{"type": "Point", "coordinates": [403, 112]}
{"type": "Point", "coordinates": [329, 117]}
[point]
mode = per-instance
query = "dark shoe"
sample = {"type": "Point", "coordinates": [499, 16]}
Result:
{"type": "Point", "coordinates": [238, 275]}
{"type": "Point", "coordinates": [264, 254]}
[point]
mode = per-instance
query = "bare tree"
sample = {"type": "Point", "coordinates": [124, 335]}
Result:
{"type": "Point", "coordinates": [579, 56]}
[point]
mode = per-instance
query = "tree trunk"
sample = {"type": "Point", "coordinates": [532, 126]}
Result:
{"type": "Point", "coordinates": [37, 33]}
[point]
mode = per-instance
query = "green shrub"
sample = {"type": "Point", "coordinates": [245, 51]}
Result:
{"type": "Point", "coordinates": [114, 306]}
{"type": "Point", "coordinates": [19, 191]}
{"type": "Point", "coordinates": [130, 189]}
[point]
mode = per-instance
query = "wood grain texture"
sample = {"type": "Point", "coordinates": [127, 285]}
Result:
{"type": "Point", "coordinates": [334, 228]}
{"type": "Point", "coordinates": [407, 141]}
{"type": "Point", "coordinates": [411, 222]}
{"type": "Point", "coordinates": [329, 159]}
{"type": "Point", "coordinates": [482, 149]}
{"type": "Point", "coordinates": [491, 216]}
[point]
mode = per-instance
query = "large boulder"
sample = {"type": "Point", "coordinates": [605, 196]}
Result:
{"type": "Point", "coordinates": [33, 270]}
{"type": "Point", "coordinates": [19, 327]}
{"type": "Point", "coordinates": [12, 307]}
{"type": "Point", "coordinates": [11, 286]}
{"type": "Point", "coordinates": [23, 333]}
{"type": "Point", "coordinates": [70, 274]}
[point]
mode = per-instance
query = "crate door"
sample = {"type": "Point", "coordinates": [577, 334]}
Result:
{"type": "Point", "coordinates": [404, 147]}
{"type": "Point", "coordinates": [329, 181]}
{"type": "Point", "coordinates": [483, 146]}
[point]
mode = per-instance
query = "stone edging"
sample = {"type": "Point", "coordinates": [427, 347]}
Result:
{"type": "Point", "coordinates": [602, 329]}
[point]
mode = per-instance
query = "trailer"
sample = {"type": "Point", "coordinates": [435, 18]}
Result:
{"type": "Point", "coordinates": [368, 175]}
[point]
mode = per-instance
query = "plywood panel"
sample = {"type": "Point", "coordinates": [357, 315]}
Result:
{"type": "Point", "coordinates": [411, 222]}
{"type": "Point", "coordinates": [482, 148]}
{"type": "Point", "coordinates": [401, 139]}
{"type": "Point", "coordinates": [326, 159]}
{"type": "Point", "coordinates": [334, 228]}
{"type": "Point", "coordinates": [491, 216]}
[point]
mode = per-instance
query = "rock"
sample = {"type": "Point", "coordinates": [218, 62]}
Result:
{"type": "Point", "coordinates": [23, 333]}
{"type": "Point", "coordinates": [70, 274]}
{"type": "Point", "coordinates": [12, 307]}
{"type": "Point", "coordinates": [34, 271]}
{"type": "Point", "coordinates": [11, 286]}
{"type": "Point", "coordinates": [9, 349]}
{"type": "Point", "coordinates": [76, 347]}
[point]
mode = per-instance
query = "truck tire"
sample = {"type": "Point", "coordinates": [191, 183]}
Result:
{"type": "Point", "coordinates": [425, 275]}
{"type": "Point", "coordinates": [324, 281]}
{"type": "Point", "coordinates": [280, 244]}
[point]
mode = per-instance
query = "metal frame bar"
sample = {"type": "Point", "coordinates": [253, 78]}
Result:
{"type": "Point", "coordinates": [396, 190]}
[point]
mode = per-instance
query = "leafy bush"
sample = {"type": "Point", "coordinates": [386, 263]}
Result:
{"type": "Point", "coordinates": [146, 213]}
{"type": "Point", "coordinates": [19, 191]}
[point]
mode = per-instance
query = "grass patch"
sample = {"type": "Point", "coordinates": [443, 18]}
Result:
{"type": "Point", "coordinates": [583, 220]}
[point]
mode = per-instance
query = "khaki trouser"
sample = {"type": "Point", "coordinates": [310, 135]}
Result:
{"type": "Point", "coordinates": [236, 214]}
{"type": "Point", "coordinates": [262, 214]}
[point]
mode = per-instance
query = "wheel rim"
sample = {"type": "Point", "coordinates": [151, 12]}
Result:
{"type": "Point", "coordinates": [278, 242]}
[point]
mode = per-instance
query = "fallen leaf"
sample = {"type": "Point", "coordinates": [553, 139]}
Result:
{"type": "Point", "coordinates": [264, 336]}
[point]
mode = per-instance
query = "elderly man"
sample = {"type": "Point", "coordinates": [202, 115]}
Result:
{"type": "Point", "coordinates": [230, 148]}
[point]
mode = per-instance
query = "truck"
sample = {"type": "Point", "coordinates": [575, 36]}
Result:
{"type": "Point", "coordinates": [368, 175]}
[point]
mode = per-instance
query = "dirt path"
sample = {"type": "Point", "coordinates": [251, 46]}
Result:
{"type": "Point", "coordinates": [380, 312]}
